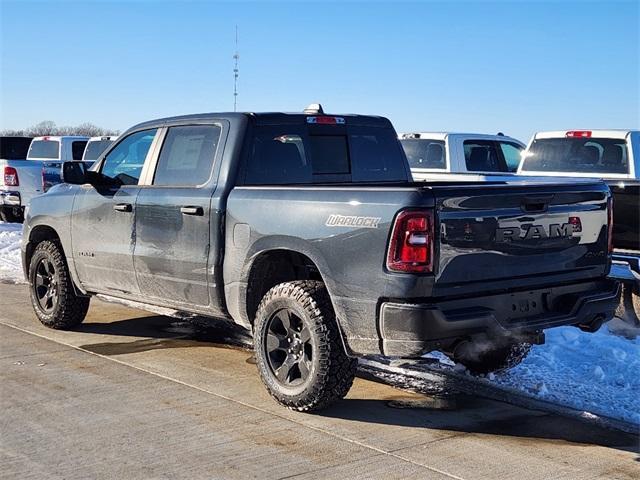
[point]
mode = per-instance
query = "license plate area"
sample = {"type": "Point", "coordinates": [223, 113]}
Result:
{"type": "Point", "coordinates": [525, 305]}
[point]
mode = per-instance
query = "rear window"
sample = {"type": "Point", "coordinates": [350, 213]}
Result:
{"type": "Point", "coordinates": [77, 149]}
{"type": "Point", "coordinates": [296, 154]}
{"type": "Point", "coordinates": [423, 153]}
{"type": "Point", "coordinates": [95, 148]}
{"type": "Point", "coordinates": [581, 155]}
{"type": "Point", "coordinates": [14, 148]}
{"type": "Point", "coordinates": [44, 149]}
{"type": "Point", "coordinates": [482, 156]}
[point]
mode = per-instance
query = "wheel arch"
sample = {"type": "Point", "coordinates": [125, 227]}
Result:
{"type": "Point", "coordinates": [39, 234]}
{"type": "Point", "coordinates": [272, 267]}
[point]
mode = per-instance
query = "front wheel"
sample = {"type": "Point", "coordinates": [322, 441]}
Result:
{"type": "Point", "coordinates": [51, 289]}
{"type": "Point", "coordinates": [298, 349]}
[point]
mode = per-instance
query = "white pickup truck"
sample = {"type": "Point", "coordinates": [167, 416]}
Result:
{"type": "Point", "coordinates": [13, 152]}
{"type": "Point", "coordinates": [613, 155]}
{"type": "Point", "coordinates": [22, 179]}
{"type": "Point", "coordinates": [471, 156]}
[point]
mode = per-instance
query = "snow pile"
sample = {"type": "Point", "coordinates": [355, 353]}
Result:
{"type": "Point", "coordinates": [598, 373]}
{"type": "Point", "coordinates": [10, 263]}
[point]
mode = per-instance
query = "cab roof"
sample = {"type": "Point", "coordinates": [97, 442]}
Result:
{"type": "Point", "coordinates": [265, 118]}
{"type": "Point", "coordinates": [585, 133]}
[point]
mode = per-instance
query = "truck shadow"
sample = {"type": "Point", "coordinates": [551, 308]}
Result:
{"type": "Point", "coordinates": [160, 332]}
{"type": "Point", "coordinates": [478, 415]}
{"type": "Point", "coordinates": [439, 406]}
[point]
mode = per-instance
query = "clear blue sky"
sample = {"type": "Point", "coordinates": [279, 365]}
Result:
{"type": "Point", "coordinates": [515, 67]}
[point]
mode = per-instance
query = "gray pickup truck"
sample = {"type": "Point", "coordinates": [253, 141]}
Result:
{"type": "Point", "coordinates": [307, 230]}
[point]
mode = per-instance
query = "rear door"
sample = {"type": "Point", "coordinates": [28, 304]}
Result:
{"type": "Point", "coordinates": [173, 216]}
{"type": "Point", "coordinates": [103, 218]}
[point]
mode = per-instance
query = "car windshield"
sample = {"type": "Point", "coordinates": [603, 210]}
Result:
{"type": "Point", "coordinates": [578, 155]}
{"type": "Point", "coordinates": [44, 149]}
{"type": "Point", "coordinates": [95, 148]}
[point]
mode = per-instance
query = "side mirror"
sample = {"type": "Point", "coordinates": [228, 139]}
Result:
{"type": "Point", "coordinates": [74, 173]}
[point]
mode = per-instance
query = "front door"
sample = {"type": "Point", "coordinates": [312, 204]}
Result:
{"type": "Point", "coordinates": [103, 219]}
{"type": "Point", "coordinates": [173, 218]}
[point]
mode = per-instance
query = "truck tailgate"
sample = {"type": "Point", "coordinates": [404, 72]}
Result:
{"type": "Point", "coordinates": [492, 234]}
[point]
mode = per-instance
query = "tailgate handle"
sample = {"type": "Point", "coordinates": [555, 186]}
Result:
{"type": "Point", "coordinates": [536, 204]}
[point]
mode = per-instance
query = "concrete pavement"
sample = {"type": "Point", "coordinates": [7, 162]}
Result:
{"type": "Point", "coordinates": [135, 395]}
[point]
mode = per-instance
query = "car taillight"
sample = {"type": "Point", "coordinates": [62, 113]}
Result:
{"type": "Point", "coordinates": [610, 224]}
{"type": "Point", "coordinates": [11, 177]}
{"type": "Point", "coordinates": [579, 134]}
{"type": "Point", "coordinates": [411, 245]}
{"type": "Point", "coordinates": [576, 224]}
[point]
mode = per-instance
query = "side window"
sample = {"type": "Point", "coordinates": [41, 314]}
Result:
{"type": "Point", "coordinates": [77, 149]}
{"type": "Point", "coordinates": [481, 156]}
{"type": "Point", "coordinates": [124, 162]}
{"type": "Point", "coordinates": [187, 155]}
{"type": "Point", "coordinates": [512, 155]}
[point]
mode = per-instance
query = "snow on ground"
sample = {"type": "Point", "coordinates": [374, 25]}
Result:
{"type": "Point", "coordinates": [598, 373]}
{"type": "Point", "coordinates": [10, 263]}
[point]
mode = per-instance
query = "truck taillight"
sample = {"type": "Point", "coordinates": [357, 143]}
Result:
{"type": "Point", "coordinates": [11, 177]}
{"type": "Point", "coordinates": [411, 245]}
{"type": "Point", "coordinates": [579, 134]}
{"type": "Point", "coordinates": [576, 224]}
{"type": "Point", "coordinates": [610, 224]}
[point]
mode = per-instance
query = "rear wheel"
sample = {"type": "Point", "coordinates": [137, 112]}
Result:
{"type": "Point", "coordinates": [489, 359]}
{"type": "Point", "coordinates": [298, 349]}
{"type": "Point", "coordinates": [52, 292]}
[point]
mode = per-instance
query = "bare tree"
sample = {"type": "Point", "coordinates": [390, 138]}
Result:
{"type": "Point", "coordinates": [43, 128]}
{"type": "Point", "coordinates": [50, 128]}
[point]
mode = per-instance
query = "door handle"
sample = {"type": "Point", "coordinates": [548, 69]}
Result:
{"type": "Point", "coordinates": [123, 207]}
{"type": "Point", "coordinates": [191, 210]}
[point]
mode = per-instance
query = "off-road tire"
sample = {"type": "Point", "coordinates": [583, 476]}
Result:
{"type": "Point", "coordinates": [69, 309]}
{"type": "Point", "coordinates": [332, 372]}
{"type": "Point", "coordinates": [495, 359]}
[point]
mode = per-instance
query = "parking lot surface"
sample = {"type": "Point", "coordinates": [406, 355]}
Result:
{"type": "Point", "coordinates": [135, 395]}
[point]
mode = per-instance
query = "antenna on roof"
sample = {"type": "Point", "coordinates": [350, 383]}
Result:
{"type": "Point", "coordinates": [236, 56]}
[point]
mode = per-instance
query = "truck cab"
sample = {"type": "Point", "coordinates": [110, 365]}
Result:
{"type": "Point", "coordinates": [95, 147]}
{"type": "Point", "coordinates": [471, 156]}
{"type": "Point", "coordinates": [52, 151]}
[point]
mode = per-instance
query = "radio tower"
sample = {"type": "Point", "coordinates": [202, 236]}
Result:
{"type": "Point", "coordinates": [236, 56]}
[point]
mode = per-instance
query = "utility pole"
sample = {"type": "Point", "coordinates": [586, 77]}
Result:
{"type": "Point", "coordinates": [236, 56]}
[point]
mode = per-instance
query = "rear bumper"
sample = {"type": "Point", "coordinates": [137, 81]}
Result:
{"type": "Point", "coordinates": [10, 198]}
{"type": "Point", "coordinates": [413, 329]}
